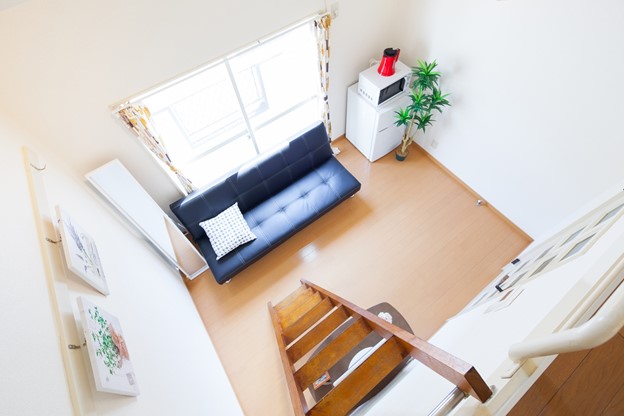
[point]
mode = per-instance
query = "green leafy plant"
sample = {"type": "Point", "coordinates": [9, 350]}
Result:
{"type": "Point", "coordinates": [426, 97]}
{"type": "Point", "coordinates": [107, 350]}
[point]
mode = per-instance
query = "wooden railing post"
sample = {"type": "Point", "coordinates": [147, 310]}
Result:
{"type": "Point", "coordinates": [296, 394]}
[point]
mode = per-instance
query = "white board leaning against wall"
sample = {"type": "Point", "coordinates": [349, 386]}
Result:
{"type": "Point", "coordinates": [118, 187]}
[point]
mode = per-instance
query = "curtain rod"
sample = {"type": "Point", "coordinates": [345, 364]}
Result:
{"type": "Point", "coordinates": [149, 91]}
{"type": "Point", "coordinates": [290, 27]}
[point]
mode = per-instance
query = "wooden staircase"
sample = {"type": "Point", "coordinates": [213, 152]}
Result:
{"type": "Point", "coordinates": [310, 314]}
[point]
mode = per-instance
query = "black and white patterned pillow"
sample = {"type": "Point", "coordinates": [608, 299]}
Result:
{"type": "Point", "coordinates": [227, 231]}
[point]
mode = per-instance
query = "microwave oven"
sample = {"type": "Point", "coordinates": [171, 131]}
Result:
{"type": "Point", "coordinates": [376, 88]}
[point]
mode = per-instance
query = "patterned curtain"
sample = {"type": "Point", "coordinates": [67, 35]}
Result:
{"type": "Point", "coordinates": [137, 118]}
{"type": "Point", "coordinates": [321, 26]}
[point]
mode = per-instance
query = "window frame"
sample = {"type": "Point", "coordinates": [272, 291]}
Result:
{"type": "Point", "coordinates": [249, 130]}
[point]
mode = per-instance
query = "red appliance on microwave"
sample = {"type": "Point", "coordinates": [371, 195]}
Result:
{"type": "Point", "coordinates": [386, 66]}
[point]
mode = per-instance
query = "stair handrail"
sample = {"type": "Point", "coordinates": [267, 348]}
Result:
{"type": "Point", "coordinates": [300, 406]}
{"type": "Point", "coordinates": [460, 373]}
{"type": "Point", "coordinates": [600, 328]}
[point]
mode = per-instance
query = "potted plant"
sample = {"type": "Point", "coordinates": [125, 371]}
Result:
{"type": "Point", "coordinates": [426, 99]}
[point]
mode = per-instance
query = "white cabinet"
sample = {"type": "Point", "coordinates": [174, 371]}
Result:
{"type": "Point", "coordinates": [371, 129]}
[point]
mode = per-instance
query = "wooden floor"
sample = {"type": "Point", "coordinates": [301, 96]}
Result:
{"type": "Point", "coordinates": [412, 237]}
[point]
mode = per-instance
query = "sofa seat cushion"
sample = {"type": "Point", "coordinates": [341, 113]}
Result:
{"type": "Point", "coordinates": [282, 215]}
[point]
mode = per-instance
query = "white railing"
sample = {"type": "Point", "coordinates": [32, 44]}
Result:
{"type": "Point", "coordinates": [449, 403]}
{"type": "Point", "coordinates": [600, 328]}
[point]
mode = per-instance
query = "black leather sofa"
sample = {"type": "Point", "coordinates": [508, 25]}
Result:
{"type": "Point", "coordinates": [279, 194]}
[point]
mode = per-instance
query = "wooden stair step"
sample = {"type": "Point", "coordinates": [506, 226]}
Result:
{"type": "Point", "coordinates": [291, 313]}
{"type": "Point", "coordinates": [332, 353]}
{"type": "Point", "coordinates": [307, 320]}
{"type": "Point", "coordinates": [295, 301]}
{"type": "Point", "coordinates": [346, 395]}
{"type": "Point", "coordinates": [317, 334]}
{"type": "Point", "coordinates": [301, 290]}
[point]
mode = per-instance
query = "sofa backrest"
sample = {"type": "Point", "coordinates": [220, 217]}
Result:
{"type": "Point", "coordinates": [256, 181]}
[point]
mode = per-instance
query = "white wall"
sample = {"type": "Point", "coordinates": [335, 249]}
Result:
{"type": "Point", "coordinates": [65, 61]}
{"type": "Point", "coordinates": [176, 366]}
{"type": "Point", "coordinates": [33, 380]}
{"type": "Point", "coordinates": [362, 31]}
{"type": "Point", "coordinates": [536, 88]}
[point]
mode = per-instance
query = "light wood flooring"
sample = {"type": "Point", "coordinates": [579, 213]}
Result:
{"type": "Point", "coordinates": [412, 237]}
{"type": "Point", "coordinates": [582, 383]}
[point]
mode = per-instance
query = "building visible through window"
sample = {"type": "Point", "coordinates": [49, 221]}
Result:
{"type": "Point", "coordinates": [221, 116]}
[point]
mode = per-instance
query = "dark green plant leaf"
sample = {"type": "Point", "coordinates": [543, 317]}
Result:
{"type": "Point", "coordinates": [403, 116]}
{"type": "Point", "coordinates": [426, 98]}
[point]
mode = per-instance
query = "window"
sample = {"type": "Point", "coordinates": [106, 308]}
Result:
{"type": "Point", "coordinates": [221, 116]}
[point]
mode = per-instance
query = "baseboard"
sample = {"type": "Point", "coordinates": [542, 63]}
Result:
{"type": "Point", "coordinates": [519, 230]}
{"type": "Point", "coordinates": [473, 192]}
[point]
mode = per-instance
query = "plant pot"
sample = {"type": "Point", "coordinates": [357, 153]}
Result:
{"type": "Point", "coordinates": [400, 156]}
